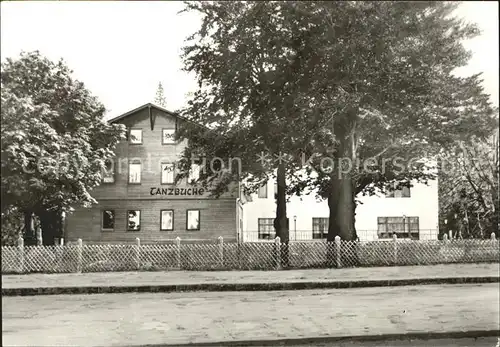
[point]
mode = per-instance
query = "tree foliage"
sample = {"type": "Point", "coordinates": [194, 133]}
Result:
{"type": "Point", "coordinates": [54, 139]}
{"type": "Point", "coordinates": [12, 227]}
{"type": "Point", "coordinates": [468, 189]}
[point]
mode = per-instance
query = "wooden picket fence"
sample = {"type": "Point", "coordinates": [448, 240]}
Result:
{"type": "Point", "coordinates": [178, 255]}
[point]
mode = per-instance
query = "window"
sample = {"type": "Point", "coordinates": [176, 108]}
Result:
{"type": "Point", "coordinates": [194, 173]}
{"type": "Point", "coordinates": [263, 191]}
{"type": "Point", "coordinates": [276, 190]}
{"type": "Point", "coordinates": [266, 228]}
{"type": "Point", "coordinates": [168, 136]}
{"type": "Point", "coordinates": [402, 227]}
{"type": "Point", "coordinates": [193, 220]}
{"type": "Point", "coordinates": [393, 192]}
{"type": "Point", "coordinates": [320, 228]}
{"type": "Point", "coordinates": [133, 220]}
{"type": "Point", "coordinates": [167, 173]}
{"type": "Point", "coordinates": [167, 220]}
{"type": "Point", "coordinates": [108, 220]}
{"type": "Point", "coordinates": [108, 174]}
{"type": "Point", "coordinates": [405, 192]}
{"type": "Point", "coordinates": [134, 173]}
{"type": "Point", "coordinates": [135, 136]}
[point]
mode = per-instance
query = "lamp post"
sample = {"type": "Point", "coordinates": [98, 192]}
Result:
{"type": "Point", "coordinates": [445, 226]}
{"type": "Point", "coordinates": [404, 226]}
{"type": "Point", "coordinates": [295, 227]}
{"type": "Point", "coordinates": [457, 224]}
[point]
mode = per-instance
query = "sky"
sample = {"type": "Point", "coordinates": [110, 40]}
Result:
{"type": "Point", "coordinates": [122, 50]}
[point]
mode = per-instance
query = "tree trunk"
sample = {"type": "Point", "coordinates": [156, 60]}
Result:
{"type": "Point", "coordinates": [495, 215]}
{"type": "Point", "coordinates": [341, 199]}
{"type": "Point", "coordinates": [342, 215]}
{"type": "Point", "coordinates": [281, 222]}
{"type": "Point", "coordinates": [51, 224]}
{"type": "Point", "coordinates": [342, 209]}
{"type": "Point", "coordinates": [29, 229]}
{"type": "Point", "coordinates": [341, 202]}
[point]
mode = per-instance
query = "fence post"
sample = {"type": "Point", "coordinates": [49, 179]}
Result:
{"type": "Point", "coordinates": [20, 250]}
{"type": "Point", "coordinates": [178, 243]}
{"type": "Point", "coordinates": [445, 242]}
{"type": "Point", "coordinates": [493, 236]}
{"type": "Point", "coordinates": [450, 234]}
{"type": "Point", "coordinates": [79, 256]}
{"type": "Point", "coordinates": [221, 250]}
{"type": "Point", "coordinates": [137, 253]}
{"type": "Point", "coordinates": [277, 241]}
{"type": "Point", "coordinates": [338, 263]}
{"type": "Point", "coordinates": [38, 232]}
{"type": "Point", "coordinates": [395, 243]}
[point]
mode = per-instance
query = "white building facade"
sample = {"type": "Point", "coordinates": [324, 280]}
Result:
{"type": "Point", "coordinates": [411, 213]}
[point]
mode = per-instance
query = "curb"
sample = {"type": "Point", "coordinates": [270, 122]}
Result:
{"type": "Point", "coordinates": [336, 339]}
{"type": "Point", "coordinates": [235, 287]}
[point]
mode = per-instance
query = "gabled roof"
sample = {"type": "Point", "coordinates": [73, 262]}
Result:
{"type": "Point", "coordinates": [140, 108]}
{"type": "Point", "coordinates": [153, 106]}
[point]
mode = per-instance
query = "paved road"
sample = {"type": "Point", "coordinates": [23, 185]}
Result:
{"type": "Point", "coordinates": [480, 342]}
{"type": "Point", "coordinates": [139, 319]}
{"type": "Point", "coordinates": [194, 277]}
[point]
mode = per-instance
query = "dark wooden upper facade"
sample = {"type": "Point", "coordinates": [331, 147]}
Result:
{"type": "Point", "coordinates": [151, 153]}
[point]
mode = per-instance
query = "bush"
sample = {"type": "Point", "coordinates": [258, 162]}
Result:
{"type": "Point", "coordinates": [12, 226]}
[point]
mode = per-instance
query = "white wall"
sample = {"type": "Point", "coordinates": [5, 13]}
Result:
{"type": "Point", "coordinates": [423, 203]}
{"type": "Point", "coordinates": [304, 208]}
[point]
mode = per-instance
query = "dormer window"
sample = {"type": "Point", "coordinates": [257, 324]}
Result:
{"type": "Point", "coordinates": [135, 137]}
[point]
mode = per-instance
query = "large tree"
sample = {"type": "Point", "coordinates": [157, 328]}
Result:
{"type": "Point", "coordinates": [54, 142]}
{"type": "Point", "coordinates": [375, 78]}
{"type": "Point", "coordinates": [383, 73]}
{"type": "Point", "coordinates": [243, 57]}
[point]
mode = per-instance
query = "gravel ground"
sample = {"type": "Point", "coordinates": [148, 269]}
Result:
{"type": "Point", "coordinates": [194, 277]}
{"type": "Point", "coordinates": [141, 319]}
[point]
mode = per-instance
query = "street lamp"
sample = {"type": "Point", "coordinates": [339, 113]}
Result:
{"type": "Point", "coordinates": [295, 226]}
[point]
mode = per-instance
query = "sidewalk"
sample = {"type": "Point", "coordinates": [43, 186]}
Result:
{"type": "Point", "coordinates": [33, 284]}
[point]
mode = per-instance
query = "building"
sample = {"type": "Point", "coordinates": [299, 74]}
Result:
{"type": "Point", "coordinates": [138, 196]}
{"type": "Point", "coordinates": [410, 212]}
